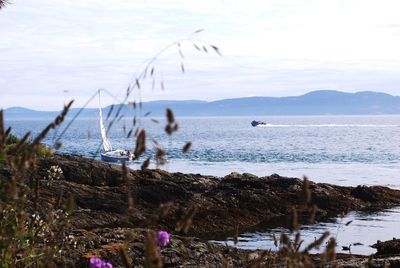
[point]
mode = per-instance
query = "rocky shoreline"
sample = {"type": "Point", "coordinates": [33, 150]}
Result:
{"type": "Point", "coordinates": [115, 208]}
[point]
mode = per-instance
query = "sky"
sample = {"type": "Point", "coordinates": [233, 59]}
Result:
{"type": "Point", "coordinates": [52, 51]}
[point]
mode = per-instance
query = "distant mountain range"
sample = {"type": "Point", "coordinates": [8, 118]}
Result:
{"type": "Point", "coordinates": [322, 102]}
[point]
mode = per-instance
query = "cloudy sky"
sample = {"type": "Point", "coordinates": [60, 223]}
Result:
{"type": "Point", "coordinates": [55, 50]}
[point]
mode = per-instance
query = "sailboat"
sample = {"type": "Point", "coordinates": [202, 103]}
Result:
{"type": "Point", "coordinates": [107, 153]}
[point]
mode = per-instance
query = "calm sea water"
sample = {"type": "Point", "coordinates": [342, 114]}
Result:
{"type": "Point", "coordinates": [344, 150]}
{"type": "Point", "coordinates": [364, 230]}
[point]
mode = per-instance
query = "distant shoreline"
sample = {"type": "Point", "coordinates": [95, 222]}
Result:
{"type": "Point", "coordinates": [323, 102]}
{"type": "Point", "coordinates": [93, 117]}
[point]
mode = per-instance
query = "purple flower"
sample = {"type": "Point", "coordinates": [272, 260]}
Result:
{"type": "Point", "coordinates": [99, 263]}
{"type": "Point", "coordinates": [95, 263]}
{"type": "Point", "coordinates": [162, 238]}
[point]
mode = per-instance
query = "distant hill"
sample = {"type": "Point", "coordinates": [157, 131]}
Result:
{"type": "Point", "coordinates": [322, 102]}
{"type": "Point", "coordinates": [20, 112]}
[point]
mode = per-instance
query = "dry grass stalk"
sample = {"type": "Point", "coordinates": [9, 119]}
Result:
{"type": "Point", "coordinates": [306, 192]}
{"type": "Point", "coordinates": [289, 253]}
{"type": "Point", "coordinates": [129, 133]}
{"type": "Point", "coordinates": [110, 112]}
{"type": "Point", "coordinates": [348, 223]}
{"type": "Point", "coordinates": [187, 147]}
{"type": "Point", "coordinates": [170, 116]}
{"type": "Point", "coordinates": [313, 212]}
{"type": "Point", "coordinates": [293, 220]}
{"type": "Point", "coordinates": [184, 224]}
{"type": "Point", "coordinates": [146, 163]}
{"type": "Point", "coordinates": [27, 237]}
{"type": "Point", "coordinates": [275, 240]}
{"type": "Point", "coordinates": [130, 202]}
{"type": "Point", "coordinates": [26, 154]}
{"type": "Point", "coordinates": [330, 252]}
{"type": "Point", "coordinates": [164, 209]}
{"type": "Point", "coordinates": [266, 259]}
{"type": "Point", "coordinates": [236, 234]}
{"type": "Point", "coordinates": [152, 255]}
{"type": "Point", "coordinates": [3, 3]}
{"type": "Point", "coordinates": [126, 260]}
{"type": "Point", "coordinates": [140, 143]}
{"type": "Point", "coordinates": [172, 125]}
{"type": "Point", "coordinates": [148, 68]}
{"type": "Point", "coordinates": [317, 242]}
{"type": "Point", "coordinates": [3, 137]}
{"type": "Point", "coordinates": [59, 119]}
{"type": "Point", "coordinates": [125, 172]}
{"type": "Point", "coordinates": [160, 156]}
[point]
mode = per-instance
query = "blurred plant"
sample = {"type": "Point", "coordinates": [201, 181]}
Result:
{"type": "Point", "coordinates": [44, 151]}
{"type": "Point", "coordinates": [148, 70]}
{"type": "Point", "coordinates": [292, 252]}
{"type": "Point", "coordinates": [152, 254]}
{"type": "Point", "coordinates": [30, 239]}
{"type": "Point", "coordinates": [11, 139]}
{"type": "Point", "coordinates": [27, 235]}
{"type": "Point", "coordinates": [3, 3]}
{"type": "Point", "coordinates": [13, 143]}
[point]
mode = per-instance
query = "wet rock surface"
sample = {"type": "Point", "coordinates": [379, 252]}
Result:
{"type": "Point", "coordinates": [357, 261]}
{"type": "Point", "coordinates": [180, 252]}
{"type": "Point", "coordinates": [113, 210]}
{"type": "Point", "coordinates": [101, 195]}
{"type": "Point", "coordinates": [390, 247]}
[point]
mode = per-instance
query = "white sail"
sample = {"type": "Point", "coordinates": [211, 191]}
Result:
{"type": "Point", "coordinates": [106, 143]}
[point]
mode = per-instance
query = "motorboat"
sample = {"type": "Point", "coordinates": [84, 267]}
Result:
{"type": "Point", "coordinates": [255, 123]}
{"type": "Point", "coordinates": [107, 153]}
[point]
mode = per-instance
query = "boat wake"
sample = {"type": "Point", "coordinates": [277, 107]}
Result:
{"type": "Point", "coordinates": [326, 125]}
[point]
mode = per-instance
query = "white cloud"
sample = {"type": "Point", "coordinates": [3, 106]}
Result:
{"type": "Point", "coordinates": [270, 47]}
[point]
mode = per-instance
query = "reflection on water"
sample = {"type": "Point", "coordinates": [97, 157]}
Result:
{"type": "Point", "coordinates": [364, 230]}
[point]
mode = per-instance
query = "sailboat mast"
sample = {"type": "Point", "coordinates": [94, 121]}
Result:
{"type": "Point", "coordinates": [106, 143]}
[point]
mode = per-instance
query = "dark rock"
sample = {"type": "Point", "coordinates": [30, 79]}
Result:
{"type": "Point", "coordinates": [246, 200]}
{"type": "Point", "coordinates": [389, 247]}
{"type": "Point", "coordinates": [103, 221]}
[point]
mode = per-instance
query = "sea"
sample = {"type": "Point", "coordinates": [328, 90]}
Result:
{"type": "Point", "coordinates": [342, 150]}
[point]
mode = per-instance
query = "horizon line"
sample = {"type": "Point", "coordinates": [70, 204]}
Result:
{"type": "Point", "coordinates": [210, 101]}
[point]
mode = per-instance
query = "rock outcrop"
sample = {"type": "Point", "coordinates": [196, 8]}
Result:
{"type": "Point", "coordinates": [114, 209]}
{"type": "Point", "coordinates": [101, 195]}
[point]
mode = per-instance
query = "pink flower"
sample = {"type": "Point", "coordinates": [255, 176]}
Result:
{"type": "Point", "coordinates": [99, 263]}
{"type": "Point", "coordinates": [162, 238]}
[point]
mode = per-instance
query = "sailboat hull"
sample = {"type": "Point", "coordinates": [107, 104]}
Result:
{"type": "Point", "coordinates": [116, 156]}
{"type": "Point", "coordinates": [108, 154]}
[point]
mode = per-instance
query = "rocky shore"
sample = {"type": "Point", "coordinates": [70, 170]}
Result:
{"type": "Point", "coordinates": [115, 208]}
